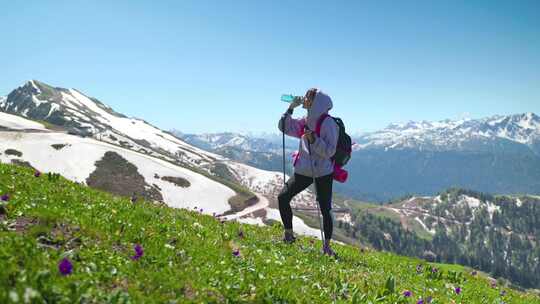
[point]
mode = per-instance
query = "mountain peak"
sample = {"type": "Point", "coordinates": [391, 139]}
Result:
{"type": "Point", "coordinates": [523, 128]}
{"type": "Point", "coordinates": [67, 108]}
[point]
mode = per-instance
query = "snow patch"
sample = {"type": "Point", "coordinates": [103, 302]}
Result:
{"type": "Point", "coordinates": [471, 201]}
{"type": "Point", "coordinates": [491, 208]}
{"type": "Point", "coordinates": [298, 224]}
{"type": "Point", "coordinates": [18, 123]}
{"type": "Point", "coordinates": [431, 231]}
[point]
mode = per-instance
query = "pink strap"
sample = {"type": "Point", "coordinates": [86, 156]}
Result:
{"type": "Point", "coordinates": [295, 156]}
{"type": "Point", "coordinates": [319, 124]}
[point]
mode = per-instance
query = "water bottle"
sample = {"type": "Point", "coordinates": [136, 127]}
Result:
{"type": "Point", "coordinates": [289, 98]}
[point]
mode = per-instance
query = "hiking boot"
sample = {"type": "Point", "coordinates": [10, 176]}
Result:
{"type": "Point", "coordinates": [289, 237]}
{"type": "Point", "coordinates": [326, 250]}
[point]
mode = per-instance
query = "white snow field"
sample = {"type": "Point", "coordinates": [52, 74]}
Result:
{"type": "Point", "coordinates": [77, 160]}
{"type": "Point", "coordinates": [15, 122]}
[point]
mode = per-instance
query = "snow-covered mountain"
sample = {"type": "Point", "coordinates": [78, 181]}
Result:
{"type": "Point", "coordinates": [245, 142]}
{"type": "Point", "coordinates": [38, 117]}
{"type": "Point", "coordinates": [465, 134]}
{"type": "Point", "coordinates": [499, 154]}
{"type": "Point", "coordinates": [263, 152]}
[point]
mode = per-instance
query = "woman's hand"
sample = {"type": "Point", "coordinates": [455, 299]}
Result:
{"type": "Point", "coordinates": [308, 134]}
{"type": "Point", "coordinates": [296, 102]}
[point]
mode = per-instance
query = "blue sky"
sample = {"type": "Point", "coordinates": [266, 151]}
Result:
{"type": "Point", "coordinates": [212, 66]}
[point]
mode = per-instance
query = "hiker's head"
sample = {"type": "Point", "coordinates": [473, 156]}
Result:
{"type": "Point", "coordinates": [315, 98]}
{"type": "Point", "coordinates": [317, 103]}
{"type": "Point", "coordinates": [309, 98]}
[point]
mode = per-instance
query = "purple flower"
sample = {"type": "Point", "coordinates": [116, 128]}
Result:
{"type": "Point", "coordinates": [420, 301]}
{"type": "Point", "coordinates": [201, 210]}
{"type": "Point", "coordinates": [473, 273]}
{"type": "Point", "coordinates": [503, 293]}
{"type": "Point", "coordinates": [428, 299]}
{"type": "Point", "coordinates": [37, 174]}
{"type": "Point", "coordinates": [5, 198]}
{"type": "Point", "coordinates": [65, 267]}
{"type": "Point", "coordinates": [236, 252]}
{"type": "Point", "coordinates": [434, 270]}
{"type": "Point", "coordinates": [138, 252]}
{"type": "Point", "coordinates": [214, 214]}
{"type": "Point", "coordinates": [134, 199]}
{"type": "Point", "coordinates": [407, 293]}
{"type": "Point", "coordinates": [458, 290]}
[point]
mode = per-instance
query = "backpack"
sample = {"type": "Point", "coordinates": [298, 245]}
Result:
{"type": "Point", "coordinates": [344, 143]}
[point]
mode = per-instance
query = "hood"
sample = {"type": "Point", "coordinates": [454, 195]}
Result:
{"type": "Point", "coordinates": [321, 104]}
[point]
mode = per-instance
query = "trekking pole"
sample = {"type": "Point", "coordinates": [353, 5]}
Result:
{"type": "Point", "coordinates": [315, 185]}
{"type": "Point", "coordinates": [283, 145]}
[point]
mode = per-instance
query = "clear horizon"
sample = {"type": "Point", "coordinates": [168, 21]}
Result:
{"type": "Point", "coordinates": [209, 67]}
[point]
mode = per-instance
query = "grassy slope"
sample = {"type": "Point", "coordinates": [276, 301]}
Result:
{"type": "Point", "coordinates": [188, 256]}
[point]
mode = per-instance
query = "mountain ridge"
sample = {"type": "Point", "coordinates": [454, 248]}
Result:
{"type": "Point", "coordinates": [85, 117]}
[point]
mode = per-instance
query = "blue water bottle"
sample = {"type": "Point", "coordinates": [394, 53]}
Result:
{"type": "Point", "coordinates": [289, 98]}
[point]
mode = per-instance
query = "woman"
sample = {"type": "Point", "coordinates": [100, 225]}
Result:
{"type": "Point", "coordinates": [314, 153]}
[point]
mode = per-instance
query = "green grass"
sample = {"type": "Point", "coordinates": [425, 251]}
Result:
{"type": "Point", "coordinates": [188, 257]}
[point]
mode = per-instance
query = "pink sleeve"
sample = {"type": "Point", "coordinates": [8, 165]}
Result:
{"type": "Point", "coordinates": [293, 127]}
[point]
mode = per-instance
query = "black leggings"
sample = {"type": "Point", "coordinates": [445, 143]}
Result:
{"type": "Point", "coordinates": [297, 184]}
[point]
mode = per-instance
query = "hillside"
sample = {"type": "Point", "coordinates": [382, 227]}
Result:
{"type": "Point", "coordinates": [497, 234]}
{"type": "Point", "coordinates": [63, 130]}
{"type": "Point", "coordinates": [62, 242]}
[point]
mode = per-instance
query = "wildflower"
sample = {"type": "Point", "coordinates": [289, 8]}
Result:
{"type": "Point", "coordinates": [473, 273]}
{"type": "Point", "coordinates": [428, 299]}
{"type": "Point", "coordinates": [421, 301]}
{"type": "Point", "coordinates": [407, 293]}
{"type": "Point", "coordinates": [418, 268]}
{"type": "Point", "coordinates": [503, 293]}
{"type": "Point", "coordinates": [241, 234]}
{"type": "Point", "coordinates": [5, 197]}
{"type": "Point", "coordinates": [434, 270]}
{"type": "Point", "coordinates": [457, 290]}
{"type": "Point", "coordinates": [236, 252]}
{"type": "Point", "coordinates": [65, 267]}
{"type": "Point", "coordinates": [201, 210]}
{"type": "Point", "coordinates": [134, 199]}
{"type": "Point", "coordinates": [138, 252]}
{"type": "Point", "coordinates": [37, 174]}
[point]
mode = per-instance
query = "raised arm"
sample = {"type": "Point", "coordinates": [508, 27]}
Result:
{"type": "Point", "coordinates": [293, 127]}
